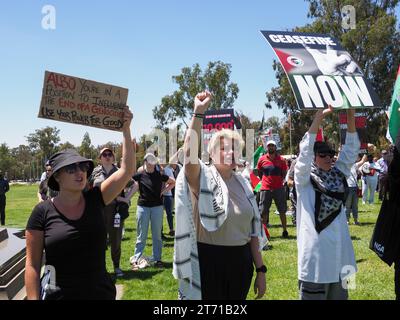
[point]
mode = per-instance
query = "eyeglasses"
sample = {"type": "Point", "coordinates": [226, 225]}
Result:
{"type": "Point", "coordinates": [324, 155]}
{"type": "Point", "coordinates": [107, 155]}
{"type": "Point", "coordinates": [72, 168]}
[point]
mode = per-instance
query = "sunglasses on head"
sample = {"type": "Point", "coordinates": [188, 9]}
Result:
{"type": "Point", "coordinates": [107, 155]}
{"type": "Point", "coordinates": [324, 155]}
{"type": "Point", "coordinates": [72, 168]}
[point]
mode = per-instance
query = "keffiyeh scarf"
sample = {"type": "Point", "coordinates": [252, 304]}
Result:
{"type": "Point", "coordinates": [330, 193]}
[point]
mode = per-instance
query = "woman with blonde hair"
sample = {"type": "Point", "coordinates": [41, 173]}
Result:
{"type": "Point", "coordinates": [218, 223]}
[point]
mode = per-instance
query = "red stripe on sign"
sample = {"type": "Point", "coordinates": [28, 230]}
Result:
{"type": "Point", "coordinates": [283, 59]}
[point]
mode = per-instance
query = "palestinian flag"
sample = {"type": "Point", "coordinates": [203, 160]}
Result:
{"type": "Point", "coordinates": [257, 154]}
{"type": "Point", "coordinates": [254, 180]}
{"type": "Point", "coordinates": [394, 118]}
{"type": "Point", "coordinates": [258, 187]}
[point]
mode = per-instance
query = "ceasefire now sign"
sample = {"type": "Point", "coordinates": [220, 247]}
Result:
{"type": "Point", "coordinates": [321, 72]}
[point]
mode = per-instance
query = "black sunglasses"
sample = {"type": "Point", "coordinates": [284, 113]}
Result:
{"type": "Point", "coordinates": [72, 168]}
{"type": "Point", "coordinates": [107, 154]}
{"type": "Point", "coordinates": [324, 155]}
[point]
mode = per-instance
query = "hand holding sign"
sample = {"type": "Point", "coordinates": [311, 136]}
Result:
{"type": "Point", "coordinates": [323, 113]}
{"type": "Point", "coordinates": [319, 116]}
{"type": "Point", "coordinates": [128, 116]}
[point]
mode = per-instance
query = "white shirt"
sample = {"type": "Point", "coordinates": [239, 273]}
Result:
{"type": "Point", "coordinates": [352, 178]}
{"type": "Point", "coordinates": [43, 176]}
{"type": "Point", "coordinates": [328, 256]}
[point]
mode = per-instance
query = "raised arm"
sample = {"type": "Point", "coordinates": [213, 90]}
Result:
{"type": "Point", "coordinates": [362, 161]}
{"type": "Point", "coordinates": [113, 186]}
{"type": "Point", "coordinates": [192, 141]}
{"type": "Point", "coordinates": [349, 152]}
{"type": "Point", "coordinates": [302, 169]}
{"type": "Point", "coordinates": [175, 158]}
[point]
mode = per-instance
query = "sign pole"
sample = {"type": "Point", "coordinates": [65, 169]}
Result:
{"type": "Point", "coordinates": [290, 132]}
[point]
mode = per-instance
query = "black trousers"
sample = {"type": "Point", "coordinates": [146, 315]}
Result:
{"type": "Point", "coordinates": [114, 234]}
{"type": "Point", "coordinates": [225, 271]}
{"type": "Point", "coordinates": [3, 209]}
{"type": "Point", "coordinates": [382, 183]}
{"type": "Point", "coordinates": [397, 279]}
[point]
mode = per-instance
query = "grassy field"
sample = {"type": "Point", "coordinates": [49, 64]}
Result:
{"type": "Point", "coordinates": [374, 279]}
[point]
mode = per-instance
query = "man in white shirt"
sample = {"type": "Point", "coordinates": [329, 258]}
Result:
{"type": "Point", "coordinates": [325, 251]}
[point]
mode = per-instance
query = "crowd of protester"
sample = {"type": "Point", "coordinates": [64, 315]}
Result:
{"type": "Point", "coordinates": [218, 222]}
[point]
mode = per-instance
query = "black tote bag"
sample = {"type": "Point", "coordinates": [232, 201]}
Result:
{"type": "Point", "coordinates": [385, 241]}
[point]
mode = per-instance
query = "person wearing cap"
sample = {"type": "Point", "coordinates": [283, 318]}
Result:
{"type": "Point", "coordinates": [369, 179]}
{"type": "Point", "coordinates": [70, 229]}
{"type": "Point", "coordinates": [272, 168]}
{"type": "Point", "coordinates": [150, 209]}
{"type": "Point", "coordinates": [4, 188]}
{"type": "Point", "coordinates": [102, 172]}
{"type": "Point", "coordinates": [383, 163]}
{"type": "Point", "coordinates": [46, 173]}
{"type": "Point", "coordinates": [44, 191]}
{"type": "Point", "coordinates": [325, 251]}
{"type": "Point", "coordinates": [218, 223]}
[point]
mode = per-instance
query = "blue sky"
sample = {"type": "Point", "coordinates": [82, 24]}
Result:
{"type": "Point", "coordinates": [138, 45]}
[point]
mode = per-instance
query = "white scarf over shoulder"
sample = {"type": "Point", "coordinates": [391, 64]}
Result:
{"type": "Point", "coordinates": [213, 211]}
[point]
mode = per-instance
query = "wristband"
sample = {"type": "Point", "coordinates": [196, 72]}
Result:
{"type": "Point", "coordinates": [262, 269]}
{"type": "Point", "coordinates": [198, 115]}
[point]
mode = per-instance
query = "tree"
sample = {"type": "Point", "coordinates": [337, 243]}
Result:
{"type": "Point", "coordinates": [87, 149]}
{"type": "Point", "coordinates": [65, 146]}
{"type": "Point", "coordinates": [179, 105]}
{"type": "Point", "coordinates": [5, 158]}
{"type": "Point", "coordinates": [21, 164]}
{"type": "Point", "coordinates": [374, 44]}
{"type": "Point", "coordinates": [44, 141]}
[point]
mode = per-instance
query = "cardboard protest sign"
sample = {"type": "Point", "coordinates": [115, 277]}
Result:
{"type": "Point", "coordinates": [361, 127]}
{"type": "Point", "coordinates": [75, 100]}
{"type": "Point", "coordinates": [321, 72]}
{"type": "Point", "coordinates": [216, 120]}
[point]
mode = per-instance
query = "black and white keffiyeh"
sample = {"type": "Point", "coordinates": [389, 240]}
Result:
{"type": "Point", "coordinates": [330, 193]}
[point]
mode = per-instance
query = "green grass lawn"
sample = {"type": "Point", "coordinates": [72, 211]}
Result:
{"type": "Point", "coordinates": [374, 279]}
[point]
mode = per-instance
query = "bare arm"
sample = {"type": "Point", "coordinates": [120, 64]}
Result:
{"type": "Point", "coordinates": [34, 254]}
{"type": "Point", "coordinates": [113, 186]}
{"type": "Point", "coordinates": [362, 161]}
{"type": "Point", "coordinates": [319, 116]}
{"type": "Point", "coordinates": [175, 158]}
{"type": "Point", "coordinates": [192, 142]}
{"type": "Point", "coordinates": [168, 185]}
{"type": "Point", "coordinates": [260, 282]}
{"type": "Point", "coordinates": [129, 193]}
{"type": "Point", "coordinates": [351, 123]}
{"type": "Point", "coordinates": [348, 154]}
